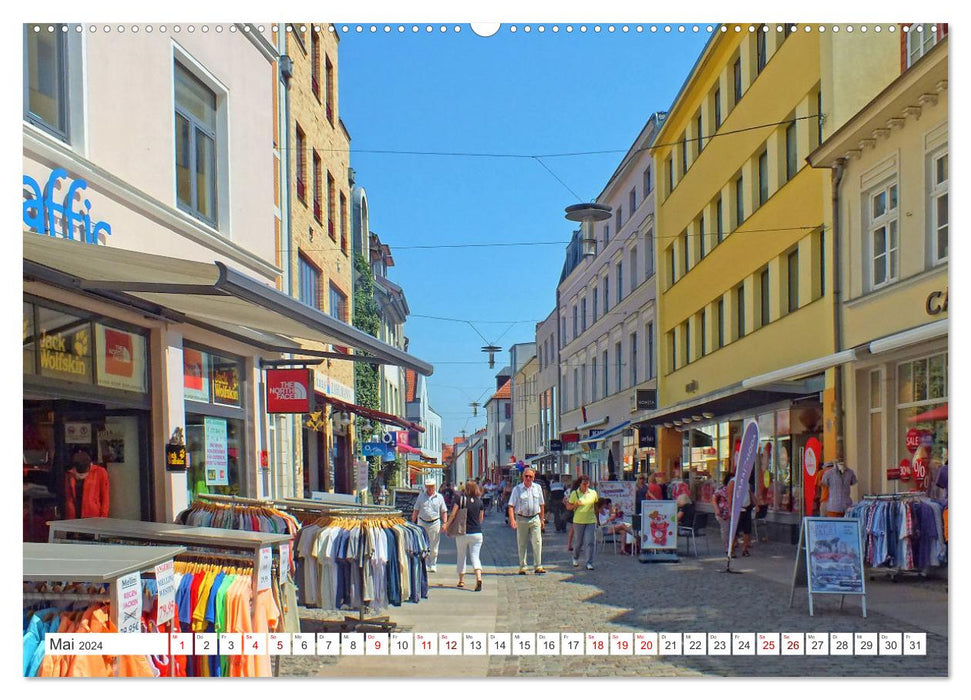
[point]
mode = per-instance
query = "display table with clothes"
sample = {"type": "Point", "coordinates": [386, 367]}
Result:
{"type": "Point", "coordinates": [901, 532]}
{"type": "Point", "coordinates": [230, 552]}
{"type": "Point", "coordinates": [74, 589]}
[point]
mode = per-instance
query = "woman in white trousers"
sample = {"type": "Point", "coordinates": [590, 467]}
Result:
{"type": "Point", "coordinates": [470, 543]}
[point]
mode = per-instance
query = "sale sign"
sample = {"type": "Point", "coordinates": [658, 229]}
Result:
{"type": "Point", "coordinates": [913, 440]}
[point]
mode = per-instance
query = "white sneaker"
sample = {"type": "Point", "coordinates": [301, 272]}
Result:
{"type": "Point", "coordinates": [576, 563]}
{"type": "Point", "coordinates": [589, 567]}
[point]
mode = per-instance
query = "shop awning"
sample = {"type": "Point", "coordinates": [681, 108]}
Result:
{"type": "Point", "coordinates": [372, 414]}
{"type": "Point", "coordinates": [592, 423]}
{"type": "Point", "coordinates": [538, 458]}
{"type": "Point", "coordinates": [610, 432]}
{"type": "Point", "coordinates": [728, 401]}
{"type": "Point", "coordinates": [209, 295]}
{"type": "Point", "coordinates": [929, 331]}
{"type": "Point", "coordinates": [803, 369]}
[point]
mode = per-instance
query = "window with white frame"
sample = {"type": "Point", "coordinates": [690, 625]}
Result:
{"type": "Point", "coordinates": [883, 236]}
{"type": "Point", "coordinates": [938, 205]}
{"type": "Point", "coordinates": [920, 39]}
{"type": "Point", "coordinates": [195, 145]}
{"type": "Point", "coordinates": [46, 79]}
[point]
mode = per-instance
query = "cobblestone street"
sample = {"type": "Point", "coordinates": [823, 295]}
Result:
{"type": "Point", "coordinates": [624, 595]}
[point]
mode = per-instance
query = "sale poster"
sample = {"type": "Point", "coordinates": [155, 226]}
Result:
{"type": "Point", "coordinates": [217, 452]}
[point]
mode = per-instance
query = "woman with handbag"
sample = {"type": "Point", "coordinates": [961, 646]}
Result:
{"type": "Point", "coordinates": [465, 525]}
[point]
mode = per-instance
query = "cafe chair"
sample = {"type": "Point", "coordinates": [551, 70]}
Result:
{"type": "Point", "coordinates": [699, 528]}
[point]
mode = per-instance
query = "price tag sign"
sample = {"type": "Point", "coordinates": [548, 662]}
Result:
{"type": "Point", "coordinates": [524, 644]}
{"type": "Point", "coordinates": [793, 643]}
{"type": "Point", "coordinates": [865, 643]}
{"type": "Point", "coordinates": [377, 644]}
{"type": "Point", "coordinates": [128, 602]}
{"type": "Point", "coordinates": [475, 644]}
{"type": "Point", "coordinates": [450, 644]}
{"type": "Point", "coordinates": [695, 644]}
{"type": "Point", "coordinates": [719, 644]}
{"type": "Point", "coordinates": [669, 643]}
{"type": "Point", "coordinates": [165, 579]}
{"type": "Point", "coordinates": [817, 644]}
{"type": "Point", "coordinates": [284, 563]}
{"type": "Point", "coordinates": [571, 644]}
{"type": "Point", "coordinates": [767, 644]}
{"type": "Point", "coordinates": [402, 644]}
{"type": "Point", "coordinates": [265, 570]}
{"type": "Point", "coordinates": [304, 644]}
{"type": "Point", "coordinates": [206, 644]}
{"type": "Point", "coordinates": [279, 644]}
{"type": "Point", "coordinates": [548, 643]}
{"type": "Point", "coordinates": [645, 644]}
{"type": "Point", "coordinates": [328, 644]}
{"type": "Point", "coordinates": [621, 644]}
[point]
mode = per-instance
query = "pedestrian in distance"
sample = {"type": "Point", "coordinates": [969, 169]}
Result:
{"type": "Point", "coordinates": [429, 513]}
{"type": "Point", "coordinates": [569, 513]}
{"type": "Point", "coordinates": [583, 503]}
{"type": "Point", "coordinates": [557, 494]}
{"type": "Point", "coordinates": [654, 490]}
{"type": "Point", "coordinates": [471, 542]}
{"type": "Point", "coordinates": [527, 516]}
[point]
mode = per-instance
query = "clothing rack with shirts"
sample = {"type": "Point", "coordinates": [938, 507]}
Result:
{"type": "Point", "coordinates": [78, 588]}
{"type": "Point", "coordinates": [355, 558]}
{"type": "Point", "coordinates": [903, 533]}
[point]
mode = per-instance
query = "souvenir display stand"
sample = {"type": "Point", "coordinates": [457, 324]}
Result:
{"type": "Point", "coordinates": [93, 564]}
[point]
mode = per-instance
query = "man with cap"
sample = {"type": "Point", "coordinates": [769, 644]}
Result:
{"type": "Point", "coordinates": [85, 487]}
{"type": "Point", "coordinates": [430, 512]}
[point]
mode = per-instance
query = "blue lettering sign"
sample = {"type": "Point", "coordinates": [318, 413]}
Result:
{"type": "Point", "coordinates": [45, 215]}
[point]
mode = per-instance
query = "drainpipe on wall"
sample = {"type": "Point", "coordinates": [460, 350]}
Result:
{"type": "Point", "coordinates": [837, 178]}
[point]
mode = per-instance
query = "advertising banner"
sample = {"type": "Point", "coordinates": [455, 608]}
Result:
{"type": "Point", "coordinates": [121, 359]}
{"type": "Point", "coordinates": [747, 452]}
{"type": "Point", "coordinates": [660, 525]}
{"type": "Point", "coordinates": [288, 391]}
{"type": "Point", "coordinates": [811, 460]}
{"type": "Point", "coordinates": [195, 374]}
{"type": "Point", "coordinates": [217, 452]}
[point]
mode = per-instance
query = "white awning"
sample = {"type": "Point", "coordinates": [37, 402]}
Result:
{"type": "Point", "coordinates": [803, 369]}
{"type": "Point", "coordinates": [929, 331]}
{"type": "Point", "coordinates": [605, 434]}
{"type": "Point", "coordinates": [210, 295]}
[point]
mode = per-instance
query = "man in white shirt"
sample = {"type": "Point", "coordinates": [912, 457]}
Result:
{"type": "Point", "coordinates": [430, 513]}
{"type": "Point", "coordinates": [527, 516]}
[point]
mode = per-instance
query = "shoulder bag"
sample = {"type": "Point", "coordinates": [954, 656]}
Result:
{"type": "Point", "coordinates": [457, 525]}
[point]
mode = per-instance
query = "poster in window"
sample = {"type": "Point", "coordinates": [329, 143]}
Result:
{"type": "Point", "coordinates": [225, 381]}
{"type": "Point", "coordinates": [217, 452]}
{"type": "Point", "coordinates": [65, 346]}
{"type": "Point", "coordinates": [121, 359]}
{"type": "Point", "coordinates": [195, 371]}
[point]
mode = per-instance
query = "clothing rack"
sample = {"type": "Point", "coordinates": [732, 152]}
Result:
{"type": "Point", "coordinates": [234, 500]}
{"type": "Point", "coordinates": [90, 563]}
{"type": "Point", "coordinates": [896, 571]}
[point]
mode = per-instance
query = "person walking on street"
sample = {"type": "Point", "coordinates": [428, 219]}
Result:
{"type": "Point", "coordinates": [471, 542]}
{"type": "Point", "coordinates": [654, 490]}
{"type": "Point", "coordinates": [527, 516]}
{"type": "Point", "coordinates": [583, 504]}
{"type": "Point", "coordinates": [430, 512]}
{"type": "Point", "coordinates": [569, 513]}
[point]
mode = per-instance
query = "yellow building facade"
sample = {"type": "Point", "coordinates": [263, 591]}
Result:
{"type": "Point", "coordinates": [744, 255]}
{"type": "Point", "coordinates": [891, 162]}
{"type": "Point", "coordinates": [319, 252]}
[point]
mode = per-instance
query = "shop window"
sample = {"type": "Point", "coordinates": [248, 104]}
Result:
{"type": "Point", "coordinates": [877, 463]}
{"type": "Point", "coordinates": [883, 235]}
{"type": "Point", "coordinates": [938, 205]}
{"type": "Point", "coordinates": [46, 79]}
{"type": "Point", "coordinates": [195, 145]}
{"type": "Point", "coordinates": [226, 373]}
{"type": "Point", "coordinates": [216, 449]}
{"type": "Point", "coordinates": [922, 399]}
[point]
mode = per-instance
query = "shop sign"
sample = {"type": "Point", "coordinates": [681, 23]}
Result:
{"type": "Point", "coordinates": [913, 440]}
{"type": "Point", "coordinates": [128, 603]}
{"type": "Point", "coordinates": [643, 400]}
{"type": "Point", "coordinates": [165, 580]}
{"type": "Point", "coordinates": [556, 445]}
{"type": "Point", "coordinates": [378, 449]}
{"type": "Point", "coordinates": [288, 391]}
{"type": "Point", "coordinates": [647, 437]}
{"type": "Point", "coordinates": [121, 359]}
{"type": "Point", "coordinates": [225, 384]}
{"type": "Point", "coordinates": [195, 371]}
{"type": "Point", "coordinates": [77, 433]}
{"type": "Point", "coordinates": [328, 386]}
{"type": "Point", "coordinates": [217, 451]}
{"type": "Point", "coordinates": [44, 214]}
{"type": "Point", "coordinates": [390, 438]}
{"type": "Point", "coordinates": [66, 355]}
{"type": "Point", "coordinates": [570, 437]}
{"type": "Point", "coordinates": [176, 458]}
{"type": "Point", "coordinates": [936, 303]}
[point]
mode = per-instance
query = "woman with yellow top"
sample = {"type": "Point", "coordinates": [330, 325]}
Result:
{"type": "Point", "coordinates": [583, 505]}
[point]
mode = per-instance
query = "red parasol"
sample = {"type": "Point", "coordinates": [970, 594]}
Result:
{"type": "Point", "coordinates": [938, 413]}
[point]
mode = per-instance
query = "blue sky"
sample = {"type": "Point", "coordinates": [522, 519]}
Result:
{"type": "Point", "coordinates": [511, 93]}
